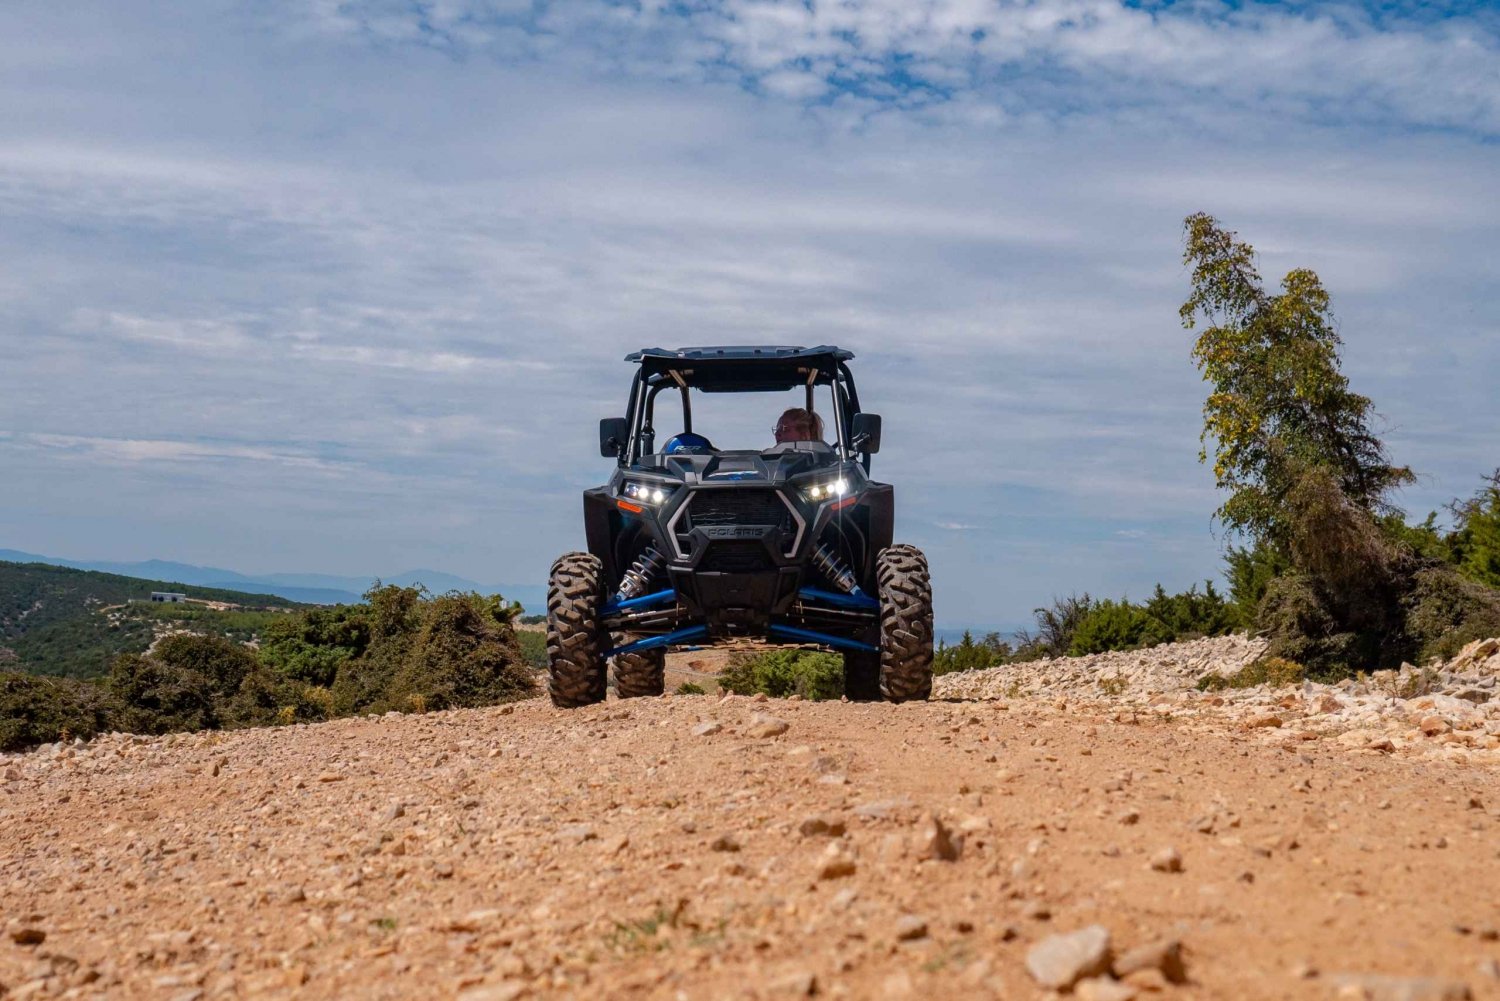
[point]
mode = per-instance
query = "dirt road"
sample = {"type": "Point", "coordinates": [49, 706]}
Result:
{"type": "Point", "coordinates": [683, 847]}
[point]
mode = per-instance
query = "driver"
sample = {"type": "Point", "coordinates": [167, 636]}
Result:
{"type": "Point", "coordinates": [797, 424]}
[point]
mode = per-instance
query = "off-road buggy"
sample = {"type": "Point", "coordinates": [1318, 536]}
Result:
{"type": "Point", "coordinates": [689, 545]}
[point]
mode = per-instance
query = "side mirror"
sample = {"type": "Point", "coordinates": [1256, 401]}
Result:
{"type": "Point", "coordinates": [613, 432]}
{"type": "Point", "coordinates": [866, 433]}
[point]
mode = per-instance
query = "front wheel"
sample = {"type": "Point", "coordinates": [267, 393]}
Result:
{"type": "Point", "coordinates": [575, 644]}
{"type": "Point", "coordinates": [905, 623]}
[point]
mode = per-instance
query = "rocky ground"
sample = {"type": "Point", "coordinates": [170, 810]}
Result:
{"type": "Point", "coordinates": [1049, 829]}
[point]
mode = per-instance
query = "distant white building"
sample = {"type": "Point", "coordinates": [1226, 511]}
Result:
{"type": "Point", "coordinates": [169, 596]}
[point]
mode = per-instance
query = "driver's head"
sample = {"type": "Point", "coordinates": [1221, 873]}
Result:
{"type": "Point", "coordinates": [799, 425]}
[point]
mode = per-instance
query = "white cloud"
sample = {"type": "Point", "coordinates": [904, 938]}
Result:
{"type": "Point", "coordinates": [1320, 62]}
{"type": "Point", "coordinates": [373, 303]}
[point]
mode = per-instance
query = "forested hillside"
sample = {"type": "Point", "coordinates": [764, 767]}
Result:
{"type": "Point", "coordinates": [72, 623]}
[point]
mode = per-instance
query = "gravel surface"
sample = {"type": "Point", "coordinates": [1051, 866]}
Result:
{"type": "Point", "coordinates": [1135, 845]}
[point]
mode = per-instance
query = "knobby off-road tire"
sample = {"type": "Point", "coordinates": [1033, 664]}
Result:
{"type": "Point", "coordinates": [905, 623]}
{"type": "Point", "coordinates": [575, 644]}
{"type": "Point", "coordinates": [640, 674]}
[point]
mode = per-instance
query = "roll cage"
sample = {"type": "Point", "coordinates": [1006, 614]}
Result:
{"type": "Point", "coordinates": [738, 370]}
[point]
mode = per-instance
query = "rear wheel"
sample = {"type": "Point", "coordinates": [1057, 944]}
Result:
{"type": "Point", "coordinates": [575, 644]}
{"type": "Point", "coordinates": [905, 624]}
{"type": "Point", "coordinates": [640, 674]}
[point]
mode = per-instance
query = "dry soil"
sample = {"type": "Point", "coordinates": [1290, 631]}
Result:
{"type": "Point", "coordinates": [695, 847]}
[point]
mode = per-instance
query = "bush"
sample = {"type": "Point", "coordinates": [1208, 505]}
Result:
{"type": "Point", "coordinates": [37, 710]}
{"type": "Point", "coordinates": [689, 688]}
{"type": "Point", "coordinates": [158, 697]}
{"type": "Point", "coordinates": [778, 673]}
{"type": "Point", "coordinates": [1164, 618]}
{"type": "Point", "coordinates": [311, 647]}
{"type": "Point", "coordinates": [223, 663]}
{"type": "Point", "coordinates": [401, 650]}
{"type": "Point", "coordinates": [533, 647]}
{"type": "Point", "coordinates": [1274, 671]}
{"type": "Point", "coordinates": [464, 655]}
{"type": "Point", "coordinates": [1108, 625]}
{"type": "Point", "coordinates": [1301, 628]}
{"type": "Point", "coordinates": [967, 655]}
{"type": "Point", "coordinates": [1444, 611]}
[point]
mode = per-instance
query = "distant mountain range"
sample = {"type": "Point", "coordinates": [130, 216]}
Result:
{"type": "Point", "coordinates": [314, 588]}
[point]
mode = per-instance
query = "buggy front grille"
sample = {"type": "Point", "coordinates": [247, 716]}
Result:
{"type": "Point", "coordinates": [751, 508]}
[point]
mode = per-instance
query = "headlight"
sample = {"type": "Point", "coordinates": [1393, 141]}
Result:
{"type": "Point", "coordinates": [644, 493]}
{"type": "Point", "coordinates": [824, 491]}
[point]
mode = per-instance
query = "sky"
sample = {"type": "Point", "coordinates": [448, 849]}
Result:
{"type": "Point", "coordinates": [345, 285]}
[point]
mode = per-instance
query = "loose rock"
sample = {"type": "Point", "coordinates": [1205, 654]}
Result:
{"type": "Point", "coordinates": [1060, 961]}
{"type": "Point", "coordinates": [766, 725]}
{"type": "Point", "coordinates": [1165, 956]}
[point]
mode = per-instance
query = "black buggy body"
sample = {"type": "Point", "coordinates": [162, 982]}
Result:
{"type": "Point", "coordinates": [694, 545]}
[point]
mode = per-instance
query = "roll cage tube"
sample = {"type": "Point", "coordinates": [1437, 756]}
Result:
{"type": "Point", "coordinates": [642, 408]}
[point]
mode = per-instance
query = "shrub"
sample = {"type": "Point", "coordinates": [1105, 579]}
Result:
{"type": "Point", "coordinates": [158, 697]}
{"type": "Point", "coordinates": [1108, 625]}
{"type": "Point", "coordinates": [1188, 615]}
{"type": "Point", "coordinates": [312, 646]}
{"type": "Point", "coordinates": [689, 688]}
{"type": "Point", "coordinates": [37, 710]}
{"type": "Point", "coordinates": [809, 673]}
{"type": "Point", "coordinates": [1056, 625]}
{"type": "Point", "coordinates": [533, 647]}
{"type": "Point", "coordinates": [1444, 611]}
{"type": "Point", "coordinates": [464, 655]}
{"type": "Point", "coordinates": [1274, 671]}
{"type": "Point", "coordinates": [967, 655]}
{"type": "Point", "coordinates": [1301, 628]}
{"type": "Point", "coordinates": [223, 663]}
{"type": "Point", "coordinates": [1164, 618]}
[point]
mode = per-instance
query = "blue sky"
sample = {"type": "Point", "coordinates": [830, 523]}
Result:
{"type": "Point", "coordinates": [344, 286]}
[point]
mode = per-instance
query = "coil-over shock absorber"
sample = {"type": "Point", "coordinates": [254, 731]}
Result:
{"type": "Point", "coordinates": [835, 569]}
{"type": "Point", "coordinates": [637, 581]}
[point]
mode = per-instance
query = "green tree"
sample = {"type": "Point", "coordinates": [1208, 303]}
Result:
{"type": "Point", "coordinates": [1476, 535]}
{"type": "Point", "coordinates": [1279, 405]}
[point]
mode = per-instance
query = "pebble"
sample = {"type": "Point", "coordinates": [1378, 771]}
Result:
{"type": "Point", "coordinates": [835, 863]}
{"type": "Point", "coordinates": [28, 935]}
{"type": "Point", "coordinates": [1167, 860]}
{"type": "Point", "coordinates": [910, 927]}
{"type": "Point", "coordinates": [822, 824]}
{"type": "Point", "coordinates": [1103, 989]}
{"type": "Point", "coordinates": [797, 984]}
{"type": "Point", "coordinates": [885, 808]}
{"type": "Point", "coordinates": [1165, 956]}
{"type": "Point", "coordinates": [766, 725]}
{"type": "Point", "coordinates": [576, 833]}
{"type": "Point", "coordinates": [1434, 725]}
{"type": "Point", "coordinates": [725, 843]}
{"type": "Point", "coordinates": [708, 729]}
{"type": "Point", "coordinates": [935, 843]}
{"type": "Point", "coordinates": [1060, 961]}
{"type": "Point", "coordinates": [1378, 987]}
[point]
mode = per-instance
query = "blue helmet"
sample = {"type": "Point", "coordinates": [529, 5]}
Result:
{"type": "Point", "coordinates": [687, 443]}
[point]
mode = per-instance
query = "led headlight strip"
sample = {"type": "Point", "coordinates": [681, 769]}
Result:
{"type": "Point", "coordinates": [827, 491]}
{"type": "Point", "coordinates": [644, 493]}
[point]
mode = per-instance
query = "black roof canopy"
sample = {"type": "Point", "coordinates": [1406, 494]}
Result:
{"type": "Point", "coordinates": [743, 368]}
